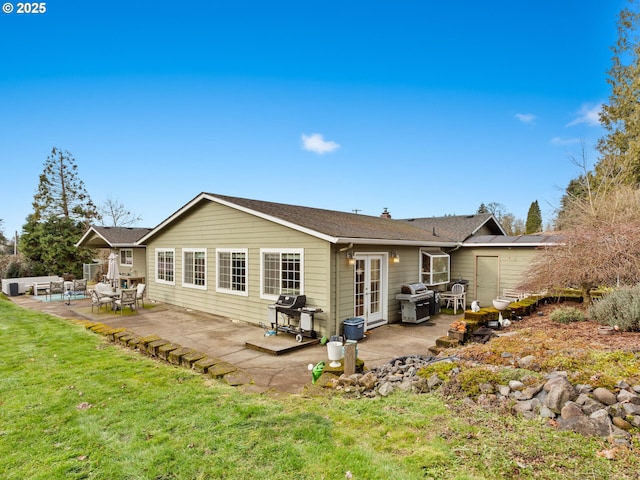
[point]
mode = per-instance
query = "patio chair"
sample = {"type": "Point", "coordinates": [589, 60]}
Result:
{"type": "Point", "coordinates": [140, 294]}
{"type": "Point", "coordinates": [54, 287]}
{"type": "Point", "coordinates": [127, 299]}
{"type": "Point", "coordinates": [100, 300]}
{"type": "Point", "coordinates": [80, 287]}
{"type": "Point", "coordinates": [456, 296]}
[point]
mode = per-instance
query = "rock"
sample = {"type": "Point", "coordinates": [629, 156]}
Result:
{"type": "Point", "coordinates": [516, 385]}
{"type": "Point", "coordinates": [527, 361]}
{"type": "Point", "coordinates": [504, 390]}
{"type": "Point", "coordinates": [621, 423]}
{"type": "Point", "coordinates": [368, 381]}
{"type": "Point", "coordinates": [559, 394]}
{"type": "Point", "coordinates": [591, 405]}
{"type": "Point", "coordinates": [546, 413]}
{"type": "Point", "coordinates": [604, 396]}
{"type": "Point", "coordinates": [589, 426]}
{"type": "Point", "coordinates": [531, 392]}
{"type": "Point", "coordinates": [570, 410]}
{"type": "Point", "coordinates": [625, 396]}
{"type": "Point", "coordinates": [583, 388]}
{"type": "Point", "coordinates": [385, 389]}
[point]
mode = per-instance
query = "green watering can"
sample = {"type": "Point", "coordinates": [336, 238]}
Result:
{"type": "Point", "coordinates": [316, 371]}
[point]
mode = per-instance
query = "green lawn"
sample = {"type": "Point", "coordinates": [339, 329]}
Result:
{"type": "Point", "coordinates": [73, 406]}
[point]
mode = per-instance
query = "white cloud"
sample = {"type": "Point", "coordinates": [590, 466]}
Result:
{"type": "Point", "coordinates": [316, 143]}
{"type": "Point", "coordinates": [588, 114]}
{"type": "Point", "coordinates": [559, 141]}
{"type": "Point", "coordinates": [525, 117]}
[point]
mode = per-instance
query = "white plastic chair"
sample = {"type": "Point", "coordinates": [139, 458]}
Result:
{"type": "Point", "coordinates": [456, 296]}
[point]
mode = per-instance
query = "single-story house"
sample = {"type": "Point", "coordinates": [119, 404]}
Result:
{"type": "Point", "coordinates": [122, 242]}
{"type": "Point", "coordinates": [234, 256]}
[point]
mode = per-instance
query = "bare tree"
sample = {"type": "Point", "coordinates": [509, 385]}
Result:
{"type": "Point", "coordinates": [117, 214]}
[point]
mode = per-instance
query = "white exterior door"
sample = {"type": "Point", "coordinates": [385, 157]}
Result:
{"type": "Point", "coordinates": [370, 290]}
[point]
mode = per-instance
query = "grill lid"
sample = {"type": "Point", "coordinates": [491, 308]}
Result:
{"type": "Point", "coordinates": [414, 288]}
{"type": "Point", "coordinates": [291, 301]}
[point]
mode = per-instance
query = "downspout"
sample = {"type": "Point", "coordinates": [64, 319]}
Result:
{"type": "Point", "coordinates": [336, 327]}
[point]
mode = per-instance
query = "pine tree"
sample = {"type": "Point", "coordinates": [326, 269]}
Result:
{"type": "Point", "coordinates": [62, 211]}
{"type": "Point", "coordinates": [482, 208]}
{"type": "Point", "coordinates": [60, 192]}
{"type": "Point", "coordinates": [534, 219]}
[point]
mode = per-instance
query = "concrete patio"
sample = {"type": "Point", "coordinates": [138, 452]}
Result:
{"type": "Point", "coordinates": [227, 340]}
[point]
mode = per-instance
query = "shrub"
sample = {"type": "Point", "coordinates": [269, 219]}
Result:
{"type": "Point", "coordinates": [621, 307]}
{"type": "Point", "coordinates": [567, 315]}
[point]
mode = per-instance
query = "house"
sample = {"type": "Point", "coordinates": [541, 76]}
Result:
{"type": "Point", "coordinates": [122, 241]}
{"type": "Point", "coordinates": [234, 256]}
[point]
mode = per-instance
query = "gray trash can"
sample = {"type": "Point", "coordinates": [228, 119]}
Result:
{"type": "Point", "coordinates": [354, 328]}
{"type": "Point", "coordinates": [13, 289]}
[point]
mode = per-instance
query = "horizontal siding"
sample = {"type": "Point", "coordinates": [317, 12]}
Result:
{"type": "Point", "coordinates": [513, 265]}
{"type": "Point", "coordinates": [213, 226]}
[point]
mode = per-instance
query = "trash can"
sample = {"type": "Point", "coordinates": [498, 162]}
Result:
{"type": "Point", "coordinates": [354, 328]}
{"type": "Point", "coordinates": [13, 289]}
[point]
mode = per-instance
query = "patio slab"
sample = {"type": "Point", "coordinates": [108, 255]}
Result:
{"type": "Point", "coordinates": [227, 340]}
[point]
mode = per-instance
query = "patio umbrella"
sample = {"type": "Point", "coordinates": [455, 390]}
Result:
{"type": "Point", "coordinates": [112, 273]}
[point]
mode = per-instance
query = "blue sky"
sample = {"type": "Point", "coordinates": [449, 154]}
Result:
{"type": "Point", "coordinates": [423, 107]}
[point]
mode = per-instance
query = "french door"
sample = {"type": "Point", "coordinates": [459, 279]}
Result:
{"type": "Point", "coordinates": [370, 292]}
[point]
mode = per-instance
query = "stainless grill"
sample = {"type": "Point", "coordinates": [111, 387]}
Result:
{"type": "Point", "coordinates": [415, 302]}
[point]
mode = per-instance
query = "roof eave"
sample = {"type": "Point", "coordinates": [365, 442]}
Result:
{"type": "Point", "coordinates": [386, 241]}
{"type": "Point", "coordinates": [92, 230]}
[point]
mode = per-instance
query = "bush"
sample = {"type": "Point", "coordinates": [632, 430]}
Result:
{"type": "Point", "coordinates": [567, 315]}
{"type": "Point", "coordinates": [621, 307]}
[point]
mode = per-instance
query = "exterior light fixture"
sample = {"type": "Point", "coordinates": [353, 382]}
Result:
{"type": "Point", "coordinates": [395, 258]}
{"type": "Point", "coordinates": [351, 260]}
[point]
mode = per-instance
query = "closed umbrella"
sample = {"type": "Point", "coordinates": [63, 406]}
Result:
{"type": "Point", "coordinates": [112, 273]}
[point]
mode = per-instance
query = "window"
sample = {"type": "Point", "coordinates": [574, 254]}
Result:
{"type": "Point", "coordinates": [194, 271]}
{"type": "Point", "coordinates": [434, 268]}
{"type": "Point", "coordinates": [126, 257]}
{"type": "Point", "coordinates": [232, 271]}
{"type": "Point", "coordinates": [165, 265]}
{"type": "Point", "coordinates": [281, 272]}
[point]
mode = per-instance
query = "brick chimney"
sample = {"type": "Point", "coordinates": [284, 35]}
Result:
{"type": "Point", "coordinates": [385, 214]}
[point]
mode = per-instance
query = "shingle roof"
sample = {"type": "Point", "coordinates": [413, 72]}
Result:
{"type": "Point", "coordinates": [457, 227]}
{"type": "Point", "coordinates": [331, 225]}
{"type": "Point", "coordinates": [335, 223]}
{"type": "Point", "coordinates": [101, 237]}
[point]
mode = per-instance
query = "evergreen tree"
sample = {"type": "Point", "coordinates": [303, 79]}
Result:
{"type": "Point", "coordinates": [482, 208]}
{"type": "Point", "coordinates": [620, 148]}
{"type": "Point", "coordinates": [62, 211]}
{"type": "Point", "coordinates": [60, 192]}
{"type": "Point", "coordinates": [534, 219]}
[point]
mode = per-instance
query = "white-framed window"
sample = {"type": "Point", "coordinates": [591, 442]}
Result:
{"type": "Point", "coordinates": [126, 257]}
{"type": "Point", "coordinates": [434, 267]}
{"type": "Point", "coordinates": [166, 265]}
{"type": "Point", "coordinates": [281, 272]}
{"type": "Point", "coordinates": [231, 271]}
{"type": "Point", "coordinates": [194, 268]}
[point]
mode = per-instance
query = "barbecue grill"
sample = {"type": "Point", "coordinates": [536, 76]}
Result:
{"type": "Point", "coordinates": [292, 308]}
{"type": "Point", "coordinates": [417, 302]}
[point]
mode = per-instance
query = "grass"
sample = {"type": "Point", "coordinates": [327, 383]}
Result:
{"type": "Point", "coordinates": [75, 407]}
